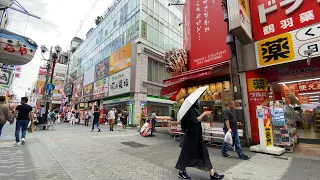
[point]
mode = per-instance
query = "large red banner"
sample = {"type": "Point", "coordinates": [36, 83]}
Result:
{"type": "Point", "coordinates": [205, 33]}
{"type": "Point", "coordinates": [273, 17]}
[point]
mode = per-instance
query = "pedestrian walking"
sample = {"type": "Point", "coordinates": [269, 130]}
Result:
{"type": "Point", "coordinates": [77, 115]}
{"type": "Point", "coordinates": [25, 115]}
{"type": "Point", "coordinates": [73, 118]}
{"type": "Point", "coordinates": [124, 119]}
{"type": "Point", "coordinates": [111, 117]}
{"type": "Point", "coordinates": [96, 116]}
{"type": "Point", "coordinates": [86, 116]}
{"type": "Point", "coordinates": [231, 125]}
{"type": "Point", "coordinates": [153, 120]}
{"type": "Point", "coordinates": [69, 116]}
{"type": "Point", "coordinates": [143, 118]}
{"type": "Point", "coordinates": [5, 113]}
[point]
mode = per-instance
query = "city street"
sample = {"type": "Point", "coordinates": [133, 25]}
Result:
{"type": "Point", "coordinates": [74, 152]}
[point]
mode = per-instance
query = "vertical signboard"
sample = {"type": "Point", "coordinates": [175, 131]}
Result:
{"type": "Point", "coordinates": [119, 83]}
{"type": "Point", "coordinates": [207, 34]}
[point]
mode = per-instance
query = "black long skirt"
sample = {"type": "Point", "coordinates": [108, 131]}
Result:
{"type": "Point", "coordinates": [194, 153]}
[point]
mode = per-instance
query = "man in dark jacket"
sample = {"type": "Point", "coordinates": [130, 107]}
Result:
{"type": "Point", "coordinates": [96, 116]}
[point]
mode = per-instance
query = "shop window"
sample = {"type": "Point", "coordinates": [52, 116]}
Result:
{"type": "Point", "coordinates": [156, 71]}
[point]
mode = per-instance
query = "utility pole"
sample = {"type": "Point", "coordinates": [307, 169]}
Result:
{"type": "Point", "coordinates": [237, 95]}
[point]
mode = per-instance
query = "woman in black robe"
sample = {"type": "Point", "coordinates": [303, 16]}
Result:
{"type": "Point", "coordinates": [194, 152]}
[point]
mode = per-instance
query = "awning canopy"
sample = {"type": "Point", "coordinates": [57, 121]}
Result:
{"type": "Point", "coordinates": [177, 82]}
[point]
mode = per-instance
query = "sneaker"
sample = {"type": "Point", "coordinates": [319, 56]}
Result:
{"type": "Point", "coordinates": [17, 143]}
{"type": "Point", "coordinates": [183, 175]}
{"type": "Point", "coordinates": [226, 155]}
{"type": "Point", "coordinates": [91, 130]}
{"type": "Point", "coordinates": [23, 140]}
{"type": "Point", "coordinates": [244, 157]}
{"type": "Point", "coordinates": [99, 130]}
{"type": "Point", "coordinates": [217, 176]}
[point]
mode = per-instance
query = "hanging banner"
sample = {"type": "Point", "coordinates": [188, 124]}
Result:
{"type": "Point", "coordinates": [267, 126]}
{"type": "Point", "coordinates": [119, 83]}
{"type": "Point", "coordinates": [100, 89]}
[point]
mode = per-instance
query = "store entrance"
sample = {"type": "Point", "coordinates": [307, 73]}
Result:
{"type": "Point", "coordinates": [301, 99]}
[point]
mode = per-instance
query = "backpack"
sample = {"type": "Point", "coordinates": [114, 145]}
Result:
{"type": "Point", "coordinates": [52, 115]}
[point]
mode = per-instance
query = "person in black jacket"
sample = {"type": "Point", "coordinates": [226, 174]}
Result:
{"type": "Point", "coordinates": [96, 116]}
{"type": "Point", "coordinates": [194, 152]}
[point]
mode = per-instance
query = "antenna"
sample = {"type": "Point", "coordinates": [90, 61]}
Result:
{"type": "Point", "coordinates": [86, 17]}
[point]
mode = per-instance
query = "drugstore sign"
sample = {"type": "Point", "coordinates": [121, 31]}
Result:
{"type": "Point", "coordinates": [288, 47]}
{"type": "Point", "coordinates": [274, 17]}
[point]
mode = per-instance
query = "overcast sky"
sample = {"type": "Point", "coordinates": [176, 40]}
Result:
{"type": "Point", "coordinates": [59, 22]}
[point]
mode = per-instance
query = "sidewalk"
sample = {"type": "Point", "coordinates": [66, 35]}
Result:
{"type": "Point", "coordinates": [74, 152]}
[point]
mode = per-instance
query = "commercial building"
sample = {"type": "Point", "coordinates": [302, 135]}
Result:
{"type": "Point", "coordinates": [121, 62]}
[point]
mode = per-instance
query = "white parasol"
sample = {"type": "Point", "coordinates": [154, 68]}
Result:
{"type": "Point", "coordinates": [189, 101]}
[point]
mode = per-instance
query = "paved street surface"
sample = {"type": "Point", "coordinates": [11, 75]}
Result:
{"type": "Point", "coordinates": [74, 152]}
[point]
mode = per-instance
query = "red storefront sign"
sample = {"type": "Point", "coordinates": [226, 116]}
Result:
{"type": "Point", "coordinates": [274, 17]}
{"type": "Point", "coordinates": [204, 33]}
{"type": "Point", "coordinates": [289, 89]}
{"type": "Point", "coordinates": [304, 99]}
{"type": "Point", "coordinates": [309, 86]}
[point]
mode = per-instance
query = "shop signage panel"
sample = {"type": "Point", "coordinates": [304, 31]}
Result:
{"type": "Point", "coordinates": [68, 89]}
{"type": "Point", "coordinates": [118, 100]}
{"type": "Point", "coordinates": [119, 83]}
{"type": "Point", "coordinates": [89, 76]}
{"type": "Point", "coordinates": [267, 126]}
{"type": "Point", "coordinates": [5, 77]}
{"type": "Point", "coordinates": [257, 84]}
{"type": "Point", "coordinates": [40, 87]}
{"type": "Point", "coordinates": [207, 34]}
{"type": "Point", "coordinates": [101, 69]}
{"type": "Point", "coordinates": [309, 86]}
{"type": "Point", "coordinates": [88, 89]}
{"type": "Point", "coordinates": [100, 89]}
{"type": "Point", "coordinates": [304, 99]}
{"type": "Point", "coordinates": [240, 20]}
{"type": "Point", "coordinates": [274, 17]}
{"type": "Point", "coordinates": [287, 47]}
{"type": "Point", "coordinates": [289, 90]}
{"type": "Point", "coordinates": [77, 88]}
{"type": "Point", "coordinates": [120, 59]}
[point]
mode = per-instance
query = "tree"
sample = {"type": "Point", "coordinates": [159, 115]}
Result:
{"type": "Point", "coordinates": [98, 20]}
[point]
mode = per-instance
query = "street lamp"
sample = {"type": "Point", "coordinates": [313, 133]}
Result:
{"type": "Point", "coordinates": [53, 56]}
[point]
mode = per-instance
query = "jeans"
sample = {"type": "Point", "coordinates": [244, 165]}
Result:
{"type": "Point", "coordinates": [21, 124]}
{"type": "Point", "coordinates": [1, 126]}
{"type": "Point", "coordinates": [86, 123]}
{"type": "Point", "coordinates": [236, 142]}
{"type": "Point", "coordinates": [95, 123]}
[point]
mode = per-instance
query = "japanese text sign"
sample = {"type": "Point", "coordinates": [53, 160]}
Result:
{"type": "Point", "coordinates": [289, 90]}
{"type": "Point", "coordinates": [309, 86]}
{"type": "Point", "coordinates": [204, 33]}
{"type": "Point", "coordinates": [267, 126]}
{"type": "Point", "coordinates": [119, 83]}
{"type": "Point", "coordinates": [274, 17]}
{"type": "Point", "coordinates": [100, 88]}
{"type": "Point", "coordinates": [120, 59]}
{"type": "Point", "coordinates": [304, 99]}
{"type": "Point", "coordinates": [257, 84]}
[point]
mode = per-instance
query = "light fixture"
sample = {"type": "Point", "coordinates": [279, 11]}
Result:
{"type": "Point", "coordinates": [303, 80]}
{"type": "Point", "coordinates": [314, 96]}
{"type": "Point", "coordinates": [314, 99]}
{"type": "Point", "coordinates": [302, 94]}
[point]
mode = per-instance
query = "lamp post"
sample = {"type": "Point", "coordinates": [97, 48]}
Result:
{"type": "Point", "coordinates": [53, 57]}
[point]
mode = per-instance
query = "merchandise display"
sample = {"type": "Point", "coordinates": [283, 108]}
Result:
{"type": "Point", "coordinates": [284, 125]}
{"type": "Point", "coordinates": [176, 61]}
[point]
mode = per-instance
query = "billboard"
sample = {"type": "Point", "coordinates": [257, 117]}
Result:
{"type": "Point", "coordinates": [119, 83]}
{"type": "Point", "coordinates": [206, 44]}
{"type": "Point", "coordinates": [100, 88]}
{"type": "Point", "coordinates": [120, 59]}
{"type": "Point", "coordinates": [101, 69]}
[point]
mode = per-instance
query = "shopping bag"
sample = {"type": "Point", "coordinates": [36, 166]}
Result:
{"type": "Point", "coordinates": [228, 138]}
{"type": "Point", "coordinates": [29, 124]}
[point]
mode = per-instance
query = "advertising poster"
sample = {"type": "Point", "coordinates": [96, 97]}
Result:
{"type": "Point", "coordinates": [40, 87]}
{"type": "Point", "coordinates": [88, 76]}
{"type": "Point", "coordinates": [100, 88]}
{"type": "Point", "coordinates": [120, 59]}
{"type": "Point", "coordinates": [87, 92]}
{"type": "Point", "coordinates": [119, 83]}
{"type": "Point", "coordinates": [77, 89]}
{"type": "Point", "coordinates": [267, 126]}
{"type": "Point", "coordinates": [68, 89]}
{"type": "Point", "coordinates": [101, 69]}
{"type": "Point", "coordinates": [206, 44]}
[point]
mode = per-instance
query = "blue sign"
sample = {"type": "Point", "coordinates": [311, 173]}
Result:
{"type": "Point", "coordinates": [50, 87]}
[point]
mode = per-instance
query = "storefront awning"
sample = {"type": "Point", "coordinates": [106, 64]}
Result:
{"type": "Point", "coordinates": [178, 82]}
{"type": "Point", "coordinates": [196, 73]}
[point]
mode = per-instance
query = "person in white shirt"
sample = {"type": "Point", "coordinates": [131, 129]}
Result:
{"type": "Point", "coordinates": [144, 127]}
{"type": "Point", "coordinates": [112, 117]}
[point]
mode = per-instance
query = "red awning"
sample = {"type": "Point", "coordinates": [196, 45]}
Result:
{"type": "Point", "coordinates": [195, 73]}
{"type": "Point", "coordinates": [198, 73]}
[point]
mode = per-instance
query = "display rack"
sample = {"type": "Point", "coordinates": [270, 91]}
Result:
{"type": "Point", "coordinates": [284, 125]}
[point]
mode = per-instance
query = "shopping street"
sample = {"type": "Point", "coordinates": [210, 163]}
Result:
{"type": "Point", "coordinates": [74, 152]}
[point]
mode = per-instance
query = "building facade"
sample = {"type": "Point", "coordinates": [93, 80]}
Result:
{"type": "Point", "coordinates": [121, 62]}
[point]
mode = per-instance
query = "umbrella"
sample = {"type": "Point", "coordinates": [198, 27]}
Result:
{"type": "Point", "coordinates": [189, 101]}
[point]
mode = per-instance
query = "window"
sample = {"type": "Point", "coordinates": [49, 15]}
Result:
{"type": "Point", "coordinates": [156, 71]}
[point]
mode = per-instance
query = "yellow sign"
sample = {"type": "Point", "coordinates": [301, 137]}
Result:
{"type": "Point", "coordinates": [257, 84]}
{"type": "Point", "coordinates": [244, 5]}
{"type": "Point", "coordinates": [120, 59]}
{"type": "Point", "coordinates": [276, 50]}
{"type": "Point", "coordinates": [268, 135]}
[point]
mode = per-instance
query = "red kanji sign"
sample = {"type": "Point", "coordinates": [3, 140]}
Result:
{"type": "Point", "coordinates": [309, 86]}
{"type": "Point", "coordinates": [274, 17]}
